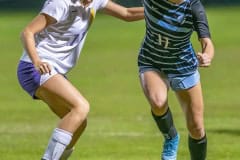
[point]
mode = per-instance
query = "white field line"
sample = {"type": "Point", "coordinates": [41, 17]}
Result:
{"type": "Point", "coordinates": [123, 134]}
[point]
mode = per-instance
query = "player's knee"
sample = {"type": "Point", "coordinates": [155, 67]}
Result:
{"type": "Point", "coordinates": [197, 132]}
{"type": "Point", "coordinates": [159, 104]}
{"type": "Point", "coordinates": [81, 108]}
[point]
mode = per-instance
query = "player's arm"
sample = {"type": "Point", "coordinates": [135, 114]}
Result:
{"type": "Point", "coordinates": [207, 54]}
{"type": "Point", "coordinates": [126, 14]}
{"type": "Point", "coordinates": [201, 26]}
{"type": "Point", "coordinates": [39, 23]}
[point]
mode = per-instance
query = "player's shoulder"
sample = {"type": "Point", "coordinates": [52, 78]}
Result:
{"type": "Point", "coordinates": [67, 2]}
{"type": "Point", "coordinates": [58, 2]}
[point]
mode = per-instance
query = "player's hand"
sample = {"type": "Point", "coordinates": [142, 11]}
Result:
{"type": "Point", "coordinates": [86, 3]}
{"type": "Point", "coordinates": [204, 59]}
{"type": "Point", "coordinates": [43, 67]}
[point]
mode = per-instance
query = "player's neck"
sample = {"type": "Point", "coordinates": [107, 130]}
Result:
{"type": "Point", "coordinates": [176, 1]}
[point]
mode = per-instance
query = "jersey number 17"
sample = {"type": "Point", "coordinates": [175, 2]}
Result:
{"type": "Point", "coordinates": [163, 41]}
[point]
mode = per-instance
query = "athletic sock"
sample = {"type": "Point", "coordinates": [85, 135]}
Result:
{"type": "Point", "coordinates": [198, 148]}
{"type": "Point", "coordinates": [66, 154]}
{"type": "Point", "coordinates": [165, 124]}
{"type": "Point", "coordinates": [57, 144]}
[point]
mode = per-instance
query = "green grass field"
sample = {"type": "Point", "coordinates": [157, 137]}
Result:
{"type": "Point", "coordinates": [120, 126]}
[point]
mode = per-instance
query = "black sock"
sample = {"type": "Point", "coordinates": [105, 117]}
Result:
{"type": "Point", "coordinates": [165, 124]}
{"type": "Point", "coordinates": [198, 148]}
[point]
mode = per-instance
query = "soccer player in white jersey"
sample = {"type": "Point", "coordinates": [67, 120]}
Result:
{"type": "Point", "coordinates": [167, 59]}
{"type": "Point", "coordinates": [52, 43]}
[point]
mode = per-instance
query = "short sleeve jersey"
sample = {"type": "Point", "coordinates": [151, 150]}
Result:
{"type": "Point", "coordinates": [169, 27]}
{"type": "Point", "coordinates": [60, 44]}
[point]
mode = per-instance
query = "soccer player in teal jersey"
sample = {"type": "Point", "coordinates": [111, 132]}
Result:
{"type": "Point", "coordinates": [167, 59]}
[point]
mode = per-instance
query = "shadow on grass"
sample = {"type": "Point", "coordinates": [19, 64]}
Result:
{"type": "Point", "coordinates": [227, 131]}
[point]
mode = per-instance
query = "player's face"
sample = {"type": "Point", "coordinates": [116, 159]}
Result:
{"type": "Point", "coordinates": [85, 3]}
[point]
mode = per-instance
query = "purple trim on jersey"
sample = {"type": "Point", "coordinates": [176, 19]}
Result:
{"type": "Point", "coordinates": [28, 77]}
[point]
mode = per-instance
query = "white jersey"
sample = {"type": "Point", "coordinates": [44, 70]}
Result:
{"type": "Point", "coordinates": [60, 44]}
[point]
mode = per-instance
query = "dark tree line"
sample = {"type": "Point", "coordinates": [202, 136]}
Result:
{"type": "Point", "coordinates": [36, 4]}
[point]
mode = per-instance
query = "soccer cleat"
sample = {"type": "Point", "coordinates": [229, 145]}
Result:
{"type": "Point", "coordinates": [170, 148]}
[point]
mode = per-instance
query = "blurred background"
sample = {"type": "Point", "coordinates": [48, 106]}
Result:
{"type": "Point", "coordinates": [120, 125]}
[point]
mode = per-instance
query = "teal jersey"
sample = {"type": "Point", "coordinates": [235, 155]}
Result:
{"type": "Point", "coordinates": [166, 45]}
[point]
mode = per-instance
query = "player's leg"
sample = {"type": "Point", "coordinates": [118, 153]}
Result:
{"type": "Point", "coordinates": [60, 108]}
{"type": "Point", "coordinates": [156, 90]}
{"type": "Point", "coordinates": [63, 90]}
{"type": "Point", "coordinates": [30, 80]}
{"type": "Point", "coordinates": [191, 101]}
